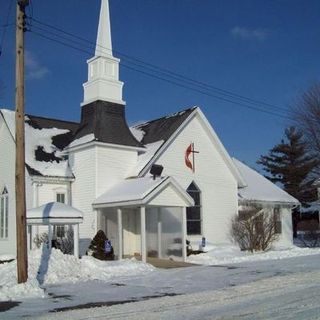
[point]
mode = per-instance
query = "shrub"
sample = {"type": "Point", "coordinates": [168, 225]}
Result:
{"type": "Point", "coordinates": [309, 233]}
{"type": "Point", "coordinates": [253, 229]}
{"type": "Point", "coordinates": [97, 247]}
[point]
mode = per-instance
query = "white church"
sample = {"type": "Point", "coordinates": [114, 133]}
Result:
{"type": "Point", "coordinates": [149, 188]}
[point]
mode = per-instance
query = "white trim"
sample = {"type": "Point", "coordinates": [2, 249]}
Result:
{"type": "Point", "coordinates": [151, 195]}
{"type": "Point", "coordinates": [120, 236]}
{"type": "Point", "coordinates": [269, 202]}
{"type": "Point", "coordinates": [51, 179]}
{"type": "Point", "coordinates": [101, 144]}
{"type": "Point", "coordinates": [143, 234]}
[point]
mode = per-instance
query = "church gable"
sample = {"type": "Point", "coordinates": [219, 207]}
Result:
{"type": "Point", "coordinates": [158, 136]}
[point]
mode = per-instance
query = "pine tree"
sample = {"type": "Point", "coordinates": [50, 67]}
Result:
{"type": "Point", "coordinates": [290, 164]}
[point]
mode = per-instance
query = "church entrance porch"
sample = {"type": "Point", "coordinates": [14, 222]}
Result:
{"type": "Point", "coordinates": [145, 217]}
{"type": "Point", "coordinates": [162, 233]}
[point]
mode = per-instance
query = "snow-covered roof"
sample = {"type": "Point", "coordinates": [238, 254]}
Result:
{"type": "Point", "coordinates": [137, 191]}
{"type": "Point", "coordinates": [260, 188]}
{"type": "Point", "coordinates": [43, 144]}
{"type": "Point", "coordinates": [54, 211]}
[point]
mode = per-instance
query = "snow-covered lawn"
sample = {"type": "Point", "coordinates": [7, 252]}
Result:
{"type": "Point", "coordinates": [67, 282]}
{"type": "Point", "coordinates": [228, 254]}
{"type": "Point", "coordinates": [57, 268]}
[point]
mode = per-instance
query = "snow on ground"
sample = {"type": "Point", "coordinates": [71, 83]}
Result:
{"type": "Point", "coordinates": [269, 289]}
{"type": "Point", "coordinates": [57, 268]}
{"type": "Point", "coordinates": [227, 254]}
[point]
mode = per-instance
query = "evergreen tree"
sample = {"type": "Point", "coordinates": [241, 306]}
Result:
{"type": "Point", "coordinates": [290, 164]}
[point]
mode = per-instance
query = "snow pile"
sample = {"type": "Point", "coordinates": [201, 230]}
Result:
{"type": "Point", "coordinates": [56, 268]}
{"type": "Point", "coordinates": [137, 133]}
{"type": "Point", "coordinates": [6, 257]}
{"type": "Point", "coordinates": [232, 254]}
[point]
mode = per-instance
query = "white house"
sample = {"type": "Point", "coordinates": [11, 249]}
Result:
{"type": "Point", "coordinates": [101, 167]}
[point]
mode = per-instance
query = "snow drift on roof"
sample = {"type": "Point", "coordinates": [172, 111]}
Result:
{"type": "Point", "coordinates": [38, 141]}
{"type": "Point", "coordinates": [260, 188]}
{"type": "Point", "coordinates": [54, 210]}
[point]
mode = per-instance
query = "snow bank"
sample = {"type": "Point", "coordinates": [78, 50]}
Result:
{"type": "Point", "coordinates": [232, 254]}
{"type": "Point", "coordinates": [57, 268]}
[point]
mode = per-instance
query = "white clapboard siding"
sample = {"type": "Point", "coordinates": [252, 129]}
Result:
{"type": "Point", "coordinates": [212, 175]}
{"type": "Point", "coordinates": [113, 165]}
{"type": "Point", "coordinates": [83, 165]}
{"type": "Point", "coordinates": [7, 167]}
{"type": "Point", "coordinates": [96, 170]}
{"type": "Point", "coordinates": [47, 192]}
{"type": "Point", "coordinates": [286, 237]}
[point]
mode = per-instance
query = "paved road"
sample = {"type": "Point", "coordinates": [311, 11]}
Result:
{"type": "Point", "coordinates": [261, 290]}
{"type": "Point", "coordinates": [294, 296]}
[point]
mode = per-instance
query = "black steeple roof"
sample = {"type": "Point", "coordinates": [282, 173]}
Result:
{"type": "Point", "coordinates": [106, 120]}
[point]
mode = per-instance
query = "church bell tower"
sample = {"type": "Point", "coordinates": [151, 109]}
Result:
{"type": "Point", "coordinates": [103, 69]}
{"type": "Point", "coordinates": [103, 109]}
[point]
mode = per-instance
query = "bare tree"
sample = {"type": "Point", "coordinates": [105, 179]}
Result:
{"type": "Point", "coordinates": [253, 229]}
{"type": "Point", "coordinates": [306, 113]}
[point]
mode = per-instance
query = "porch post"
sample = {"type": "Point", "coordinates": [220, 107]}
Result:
{"type": "Point", "coordinates": [120, 242]}
{"type": "Point", "coordinates": [76, 240]}
{"type": "Point", "coordinates": [97, 214]}
{"type": "Point", "coordinates": [184, 233]}
{"type": "Point", "coordinates": [143, 234]}
{"type": "Point", "coordinates": [159, 229]}
{"type": "Point", "coordinates": [49, 236]}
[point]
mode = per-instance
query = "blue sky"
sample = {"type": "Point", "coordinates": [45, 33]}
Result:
{"type": "Point", "coordinates": [266, 50]}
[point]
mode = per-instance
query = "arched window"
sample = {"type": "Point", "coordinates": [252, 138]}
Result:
{"type": "Point", "coordinates": [4, 214]}
{"type": "Point", "coordinates": [194, 213]}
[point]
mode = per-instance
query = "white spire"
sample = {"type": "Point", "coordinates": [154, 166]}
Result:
{"type": "Point", "coordinates": [103, 69]}
{"type": "Point", "coordinates": [104, 44]}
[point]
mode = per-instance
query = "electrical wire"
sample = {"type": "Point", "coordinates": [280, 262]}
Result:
{"type": "Point", "coordinates": [163, 71]}
{"type": "Point", "coordinates": [185, 86]}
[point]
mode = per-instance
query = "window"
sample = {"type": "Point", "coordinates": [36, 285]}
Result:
{"type": "Point", "coordinates": [61, 197]}
{"type": "Point", "coordinates": [194, 213]}
{"type": "Point", "coordinates": [277, 219]}
{"type": "Point", "coordinates": [60, 230]}
{"type": "Point", "coordinates": [4, 214]}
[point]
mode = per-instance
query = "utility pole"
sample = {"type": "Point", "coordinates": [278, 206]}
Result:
{"type": "Point", "coordinates": [22, 258]}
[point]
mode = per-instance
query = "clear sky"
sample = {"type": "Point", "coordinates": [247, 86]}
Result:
{"type": "Point", "coordinates": [265, 50]}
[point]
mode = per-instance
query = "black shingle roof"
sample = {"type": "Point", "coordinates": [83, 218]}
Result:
{"type": "Point", "coordinates": [163, 128]}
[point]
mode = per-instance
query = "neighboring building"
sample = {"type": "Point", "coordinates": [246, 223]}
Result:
{"type": "Point", "coordinates": [102, 167]}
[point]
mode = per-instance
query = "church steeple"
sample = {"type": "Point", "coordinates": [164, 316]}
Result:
{"type": "Point", "coordinates": [104, 44]}
{"type": "Point", "coordinates": [103, 69]}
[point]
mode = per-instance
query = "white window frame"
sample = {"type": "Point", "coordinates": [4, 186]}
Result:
{"type": "Point", "coordinates": [58, 194]}
{"type": "Point", "coordinates": [4, 214]}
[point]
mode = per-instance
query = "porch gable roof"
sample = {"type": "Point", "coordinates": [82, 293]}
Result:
{"type": "Point", "coordinates": [162, 191]}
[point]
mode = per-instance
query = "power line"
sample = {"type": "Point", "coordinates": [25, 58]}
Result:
{"type": "Point", "coordinates": [165, 79]}
{"type": "Point", "coordinates": [166, 72]}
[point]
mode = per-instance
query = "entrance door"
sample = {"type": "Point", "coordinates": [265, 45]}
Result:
{"type": "Point", "coordinates": [130, 232]}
